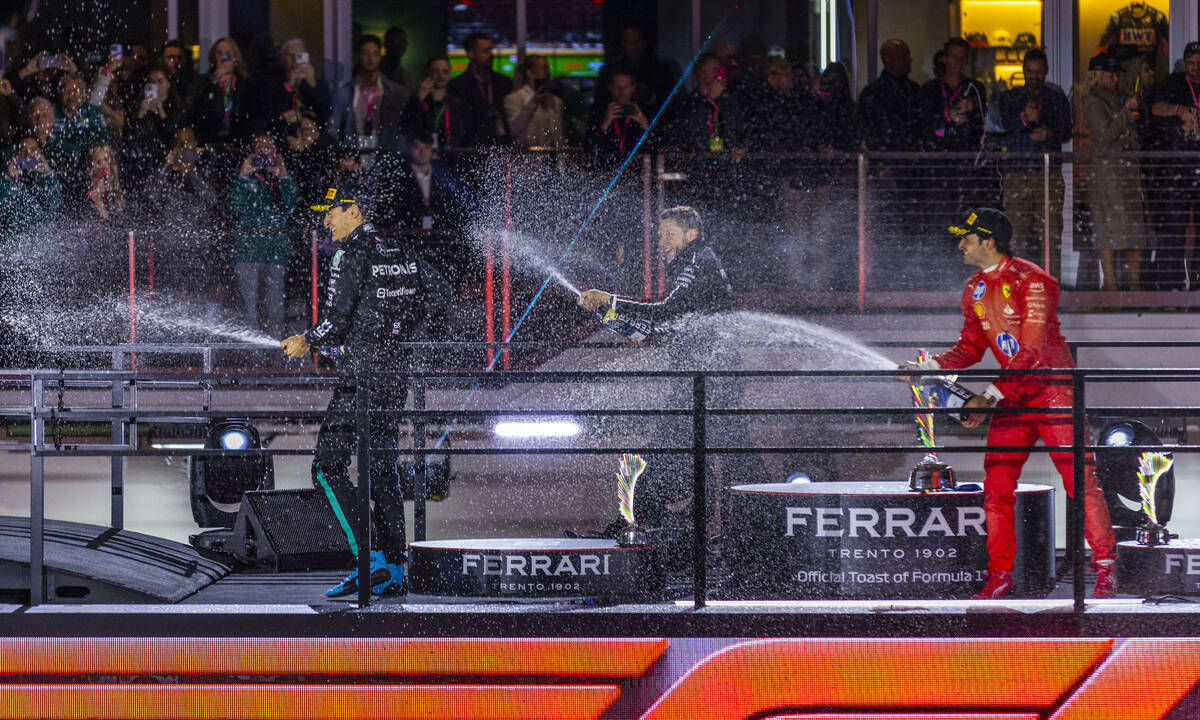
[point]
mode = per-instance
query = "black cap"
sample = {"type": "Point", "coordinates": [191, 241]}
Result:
{"type": "Point", "coordinates": [1105, 63]}
{"type": "Point", "coordinates": [1192, 48]}
{"type": "Point", "coordinates": [985, 221]}
{"type": "Point", "coordinates": [349, 193]}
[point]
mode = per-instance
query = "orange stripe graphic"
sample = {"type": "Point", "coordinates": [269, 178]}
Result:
{"type": "Point", "coordinates": [789, 675]}
{"type": "Point", "coordinates": [329, 656]}
{"type": "Point", "coordinates": [291, 702]}
{"type": "Point", "coordinates": [1143, 679]}
{"type": "Point", "coordinates": [908, 716]}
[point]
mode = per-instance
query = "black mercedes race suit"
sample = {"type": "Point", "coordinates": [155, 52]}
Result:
{"type": "Point", "coordinates": [696, 283]}
{"type": "Point", "coordinates": [377, 295]}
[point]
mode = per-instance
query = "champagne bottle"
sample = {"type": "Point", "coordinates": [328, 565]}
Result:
{"type": "Point", "coordinates": [629, 326]}
{"type": "Point", "coordinates": [947, 392]}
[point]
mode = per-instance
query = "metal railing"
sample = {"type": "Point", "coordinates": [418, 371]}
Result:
{"type": "Point", "coordinates": [125, 413]}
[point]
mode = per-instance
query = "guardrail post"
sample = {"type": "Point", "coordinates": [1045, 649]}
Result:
{"type": "Point", "coordinates": [699, 498]}
{"type": "Point", "coordinates": [660, 169]}
{"type": "Point", "coordinates": [419, 461]}
{"type": "Point", "coordinates": [862, 231]}
{"type": "Point", "coordinates": [1046, 212]}
{"type": "Point", "coordinates": [1075, 505]}
{"type": "Point", "coordinates": [118, 436]}
{"type": "Point", "coordinates": [362, 530]}
{"type": "Point", "coordinates": [37, 497]}
{"type": "Point", "coordinates": [647, 228]}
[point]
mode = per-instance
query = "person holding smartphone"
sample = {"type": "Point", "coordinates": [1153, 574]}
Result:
{"type": "Point", "coordinates": [614, 130]}
{"type": "Point", "coordinates": [304, 91]}
{"type": "Point", "coordinates": [535, 114]}
{"type": "Point", "coordinates": [30, 192]}
{"type": "Point", "coordinates": [221, 115]}
{"type": "Point", "coordinates": [183, 224]}
{"type": "Point", "coordinates": [262, 197]}
{"type": "Point", "coordinates": [151, 116]}
{"type": "Point", "coordinates": [78, 127]}
{"type": "Point", "coordinates": [41, 75]}
{"type": "Point", "coordinates": [433, 110]}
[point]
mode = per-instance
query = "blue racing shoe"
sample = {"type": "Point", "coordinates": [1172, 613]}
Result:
{"type": "Point", "coordinates": [394, 584]}
{"type": "Point", "coordinates": [380, 572]}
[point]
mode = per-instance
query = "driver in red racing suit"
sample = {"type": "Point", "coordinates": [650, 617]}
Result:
{"type": "Point", "coordinates": [1010, 305]}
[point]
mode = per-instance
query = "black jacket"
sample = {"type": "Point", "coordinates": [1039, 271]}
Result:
{"type": "Point", "coordinates": [889, 110]}
{"type": "Point", "coordinates": [696, 283]}
{"type": "Point", "coordinates": [481, 126]}
{"type": "Point", "coordinates": [378, 295]}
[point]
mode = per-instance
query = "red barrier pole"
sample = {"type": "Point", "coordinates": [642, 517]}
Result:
{"type": "Point", "coordinates": [662, 267]}
{"type": "Point", "coordinates": [646, 228]}
{"type": "Point", "coordinates": [505, 276]}
{"type": "Point", "coordinates": [132, 294]}
{"type": "Point", "coordinates": [489, 302]}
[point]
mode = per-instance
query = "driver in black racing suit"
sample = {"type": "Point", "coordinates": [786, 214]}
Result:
{"type": "Point", "coordinates": [379, 292]}
{"type": "Point", "coordinates": [696, 285]}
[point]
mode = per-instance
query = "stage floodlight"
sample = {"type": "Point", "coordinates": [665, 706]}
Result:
{"type": "Point", "coordinates": [217, 483]}
{"type": "Point", "coordinates": [234, 438]}
{"type": "Point", "coordinates": [536, 428]}
{"type": "Point", "coordinates": [1119, 435]}
{"type": "Point", "coordinates": [1117, 471]}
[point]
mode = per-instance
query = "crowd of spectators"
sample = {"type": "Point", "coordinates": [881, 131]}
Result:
{"type": "Point", "coordinates": [217, 169]}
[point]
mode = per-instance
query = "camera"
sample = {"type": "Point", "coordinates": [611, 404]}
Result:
{"type": "Point", "coordinates": [541, 85]}
{"type": "Point", "coordinates": [151, 91]}
{"type": "Point", "coordinates": [225, 57]}
{"type": "Point", "coordinates": [188, 155]}
{"type": "Point", "coordinates": [46, 62]}
{"type": "Point", "coordinates": [27, 162]}
{"type": "Point", "coordinates": [719, 73]}
{"type": "Point", "coordinates": [627, 110]}
{"type": "Point", "coordinates": [116, 51]}
{"type": "Point", "coordinates": [302, 58]}
{"type": "Point", "coordinates": [263, 161]}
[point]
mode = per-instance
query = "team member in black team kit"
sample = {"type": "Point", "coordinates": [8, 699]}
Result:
{"type": "Point", "coordinates": [696, 281]}
{"type": "Point", "coordinates": [378, 294]}
{"type": "Point", "coordinates": [696, 285]}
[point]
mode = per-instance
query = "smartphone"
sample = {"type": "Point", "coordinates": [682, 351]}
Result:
{"type": "Point", "coordinates": [301, 58]}
{"type": "Point", "coordinates": [188, 155]}
{"type": "Point", "coordinates": [263, 161]}
{"type": "Point", "coordinates": [541, 85]}
{"type": "Point", "coordinates": [27, 163]}
{"type": "Point", "coordinates": [46, 62]}
{"type": "Point", "coordinates": [115, 51]}
{"type": "Point", "coordinates": [225, 57]}
{"type": "Point", "coordinates": [151, 91]}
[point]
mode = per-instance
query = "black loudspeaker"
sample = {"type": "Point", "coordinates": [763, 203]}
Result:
{"type": "Point", "coordinates": [287, 531]}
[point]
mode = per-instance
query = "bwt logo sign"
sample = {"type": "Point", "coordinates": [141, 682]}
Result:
{"type": "Point", "coordinates": [894, 522]}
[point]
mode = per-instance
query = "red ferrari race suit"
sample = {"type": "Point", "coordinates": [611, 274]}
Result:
{"type": "Point", "coordinates": [1012, 308]}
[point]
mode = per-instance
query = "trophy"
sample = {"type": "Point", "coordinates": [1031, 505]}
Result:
{"type": "Point", "coordinates": [929, 475]}
{"type": "Point", "coordinates": [630, 467]}
{"type": "Point", "coordinates": [1152, 466]}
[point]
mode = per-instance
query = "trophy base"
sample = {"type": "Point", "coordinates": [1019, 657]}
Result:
{"type": "Point", "coordinates": [1153, 534]}
{"type": "Point", "coordinates": [929, 477]}
{"type": "Point", "coordinates": [633, 536]}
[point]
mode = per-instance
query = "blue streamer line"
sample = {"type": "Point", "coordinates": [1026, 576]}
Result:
{"type": "Point", "coordinates": [571, 245]}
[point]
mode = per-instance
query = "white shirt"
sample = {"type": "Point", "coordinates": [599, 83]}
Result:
{"type": "Point", "coordinates": [531, 124]}
{"type": "Point", "coordinates": [424, 181]}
